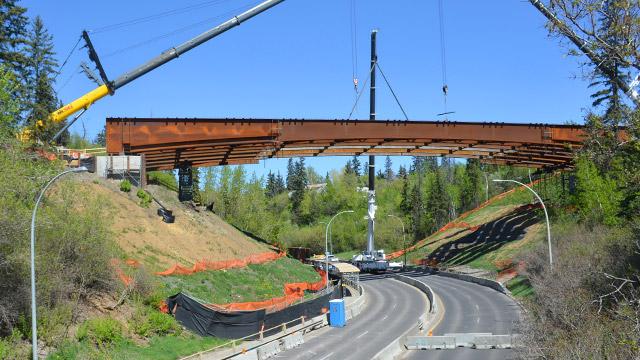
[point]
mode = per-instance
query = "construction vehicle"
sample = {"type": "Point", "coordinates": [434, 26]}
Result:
{"type": "Point", "coordinates": [372, 260]}
{"type": "Point", "coordinates": [108, 87]}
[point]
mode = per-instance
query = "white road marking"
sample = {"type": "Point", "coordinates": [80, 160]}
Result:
{"type": "Point", "coordinates": [477, 307]}
{"type": "Point", "coordinates": [385, 317]}
{"type": "Point", "coordinates": [363, 334]}
{"type": "Point", "coordinates": [326, 356]}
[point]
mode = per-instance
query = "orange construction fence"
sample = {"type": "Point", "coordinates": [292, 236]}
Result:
{"type": "Point", "coordinates": [459, 225]}
{"type": "Point", "coordinates": [292, 293]}
{"type": "Point", "coordinates": [205, 265]}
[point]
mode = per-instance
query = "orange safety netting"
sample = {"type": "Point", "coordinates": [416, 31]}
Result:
{"type": "Point", "coordinates": [126, 279]}
{"type": "Point", "coordinates": [205, 265]}
{"type": "Point", "coordinates": [293, 293]}
{"type": "Point", "coordinates": [458, 225]}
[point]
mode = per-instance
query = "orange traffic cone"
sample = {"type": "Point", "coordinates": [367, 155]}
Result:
{"type": "Point", "coordinates": [430, 333]}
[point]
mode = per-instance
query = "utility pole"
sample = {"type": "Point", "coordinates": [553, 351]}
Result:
{"type": "Point", "coordinates": [372, 159]}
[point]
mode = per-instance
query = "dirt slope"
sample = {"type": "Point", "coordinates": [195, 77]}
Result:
{"type": "Point", "coordinates": [194, 236]}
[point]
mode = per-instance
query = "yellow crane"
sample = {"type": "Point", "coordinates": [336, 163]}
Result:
{"type": "Point", "coordinates": [109, 87]}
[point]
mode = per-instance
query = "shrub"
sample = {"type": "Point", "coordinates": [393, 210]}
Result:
{"type": "Point", "coordinates": [163, 178]}
{"type": "Point", "coordinates": [125, 186]}
{"type": "Point", "coordinates": [145, 198]}
{"type": "Point", "coordinates": [148, 322]}
{"type": "Point", "coordinates": [13, 348]}
{"type": "Point", "coordinates": [100, 331]}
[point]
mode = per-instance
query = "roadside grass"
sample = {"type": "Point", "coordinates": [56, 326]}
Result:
{"type": "Point", "coordinates": [158, 347]}
{"type": "Point", "coordinates": [520, 287]}
{"type": "Point", "coordinates": [252, 283]}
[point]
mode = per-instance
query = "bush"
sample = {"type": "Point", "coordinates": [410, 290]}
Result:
{"type": "Point", "coordinates": [100, 331]}
{"type": "Point", "coordinates": [125, 186]}
{"type": "Point", "coordinates": [163, 178]}
{"type": "Point", "coordinates": [145, 198]}
{"type": "Point", "coordinates": [14, 348]}
{"type": "Point", "coordinates": [148, 322]}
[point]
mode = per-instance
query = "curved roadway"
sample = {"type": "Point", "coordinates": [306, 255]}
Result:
{"type": "Point", "coordinates": [392, 308]}
{"type": "Point", "coordinates": [469, 308]}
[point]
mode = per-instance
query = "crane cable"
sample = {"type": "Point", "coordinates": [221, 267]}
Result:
{"type": "Point", "coordinates": [156, 16]}
{"type": "Point", "coordinates": [392, 92]}
{"type": "Point", "coordinates": [354, 45]}
{"type": "Point", "coordinates": [443, 54]}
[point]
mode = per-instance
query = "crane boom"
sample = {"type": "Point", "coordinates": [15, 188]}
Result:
{"type": "Point", "coordinates": [101, 91]}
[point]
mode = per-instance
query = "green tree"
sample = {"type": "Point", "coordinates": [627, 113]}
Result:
{"type": "Point", "coordinates": [355, 165]}
{"type": "Point", "coordinates": [597, 197]}
{"type": "Point", "coordinates": [291, 168]}
{"type": "Point", "coordinates": [13, 39]}
{"type": "Point", "coordinates": [9, 105]}
{"type": "Point", "coordinates": [101, 137]}
{"type": "Point", "coordinates": [40, 77]}
{"type": "Point", "coordinates": [299, 186]}
{"type": "Point", "coordinates": [388, 168]}
{"type": "Point", "coordinates": [438, 203]}
{"type": "Point", "coordinates": [470, 196]}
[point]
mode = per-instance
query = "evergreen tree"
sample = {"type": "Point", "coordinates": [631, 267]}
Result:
{"type": "Point", "coordinates": [270, 188]}
{"type": "Point", "coordinates": [405, 202]}
{"type": "Point", "coordinates": [280, 186]}
{"type": "Point", "coordinates": [13, 39]}
{"type": "Point", "coordinates": [348, 168]}
{"type": "Point", "coordinates": [290, 174]}
{"type": "Point", "coordinates": [417, 211]}
{"type": "Point", "coordinates": [299, 187]}
{"type": "Point", "coordinates": [388, 168]}
{"type": "Point", "coordinates": [380, 174]}
{"type": "Point", "coordinates": [40, 77]}
{"type": "Point", "coordinates": [402, 172]}
{"type": "Point", "coordinates": [355, 164]}
{"type": "Point", "coordinates": [471, 194]}
{"type": "Point", "coordinates": [101, 138]}
{"type": "Point", "coordinates": [438, 202]}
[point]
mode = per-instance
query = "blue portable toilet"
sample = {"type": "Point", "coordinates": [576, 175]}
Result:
{"type": "Point", "coordinates": [336, 313]}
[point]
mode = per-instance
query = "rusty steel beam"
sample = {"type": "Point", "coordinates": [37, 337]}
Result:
{"type": "Point", "coordinates": [211, 142]}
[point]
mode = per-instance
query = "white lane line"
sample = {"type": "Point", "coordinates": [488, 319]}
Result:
{"type": "Point", "coordinates": [477, 307]}
{"type": "Point", "coordinates": [326, 356]}
{"type": "Point", "coordinates": [363, 334]}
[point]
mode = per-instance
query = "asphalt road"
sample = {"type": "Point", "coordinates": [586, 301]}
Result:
{"type": "Point", "coordinates": [469, 308]}
{"type": "Point", "coordinates": [392, 308]}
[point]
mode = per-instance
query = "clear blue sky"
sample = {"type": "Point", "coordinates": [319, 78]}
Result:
{"type": "Point", "coordinates": [295, 61]}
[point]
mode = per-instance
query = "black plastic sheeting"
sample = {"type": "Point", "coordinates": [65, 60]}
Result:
{"type": "Point", "coordinates": [206, 321]}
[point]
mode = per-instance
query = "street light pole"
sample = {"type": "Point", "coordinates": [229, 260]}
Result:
{"type": "Point", "coordinates": [326, 244]}
{"type": "Point", "coordinates": [404, 240]}
{"type": "Point", "coordinates": [546, 215]}
{"type": "Point", "coordinates": [34, 327]}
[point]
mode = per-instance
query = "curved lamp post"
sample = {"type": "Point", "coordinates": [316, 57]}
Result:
{"type": "Point", "coordinates": [546, 215]}
{"type": "Point", "coordinates": [404, 239]}
{"type": "Point", "coordinates": [326, 244]}
{"type": "Point", "coordinates": [34, 327]}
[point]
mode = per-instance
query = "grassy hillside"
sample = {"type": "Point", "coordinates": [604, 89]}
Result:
{"type": "Point", "coordinates": [195, 235]}
{"type": "Point", "coordinates": [487, 238]}
{"type": "Point", "coordinates": [136, 329]}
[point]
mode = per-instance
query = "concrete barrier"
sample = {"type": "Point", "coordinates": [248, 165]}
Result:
{"type": "Point", "coordinates": [431, 342]}
{"type": "Point", "coordinates": [354, 308]}
{"type": "Point", "coordinates": [466, 339]}
{"type": "Point", "coordinates": [464, 277]}
{"type": "Point", "coordinates": [492, 342]}
{"type": "Point", "coordinates": [292, 341]}
{"type": "Point", "coordinates": [249, 355]}
{"type": "Point", "coordinates": [269, 350]}
{"type": "Point", "coordinates": [422, 287]}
